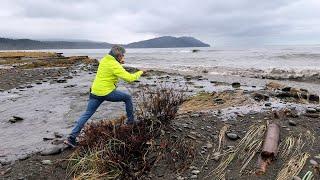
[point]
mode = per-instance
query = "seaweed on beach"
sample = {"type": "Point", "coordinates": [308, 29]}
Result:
{"type": "Point", "coordinates": [111, 150]}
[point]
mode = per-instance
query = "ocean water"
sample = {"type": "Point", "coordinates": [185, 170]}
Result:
{"type": "Point", "coordinates": [281, 61]}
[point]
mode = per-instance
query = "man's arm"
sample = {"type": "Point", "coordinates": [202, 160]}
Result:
{"type": "Point", "coordinates": [120, 72]}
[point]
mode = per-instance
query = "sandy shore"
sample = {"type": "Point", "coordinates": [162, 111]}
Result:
{"type": "Point", "coordinates": [49, 110]}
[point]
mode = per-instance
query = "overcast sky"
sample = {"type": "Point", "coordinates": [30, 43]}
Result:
{"type": "Point", "coordinates": [224, 22]}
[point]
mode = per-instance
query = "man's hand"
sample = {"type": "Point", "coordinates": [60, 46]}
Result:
{"type": "Point", "coordinates": [145, 72]}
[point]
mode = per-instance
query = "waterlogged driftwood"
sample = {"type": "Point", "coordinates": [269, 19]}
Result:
{"type": "Point", "coordinates": [271, 142]}
{"type": "Point", "coordinates": [270, 148]}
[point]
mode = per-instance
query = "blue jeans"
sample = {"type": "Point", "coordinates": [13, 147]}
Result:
{"type": "Point", "coordinates": [94, 103]}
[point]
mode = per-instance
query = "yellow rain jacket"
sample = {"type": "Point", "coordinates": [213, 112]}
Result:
{"type": "Point", "coordinates": [109, 71]}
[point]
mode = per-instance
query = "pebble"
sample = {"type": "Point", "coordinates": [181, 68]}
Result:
{"type": "Point", "coordinates": [180, 178]}
{"type": "Point", "coordinates": [292, 123]}
{"type": "Point", "coordinates": [216, 156]}
{"type": "Point", "coordinates": [218, 101]}
{"type": "Point", "coordinates": [61, 81]}
{"type": "Point", "coordinates": [195, 115]}
{"type": "Point", "coordinates": [232, 136]}
{"type": "Point", "coordinates": [268, 104]}
{"type": "Point", "coordinates": [46, 162]}
{"type": "Point", "coordinates": [313, 162]}
{"type": "Point", "coordinates": [311, 110]}
{"type": "Point", "coordinates": [199, 86]}
{"type": "Point", "coordinates": [209, 145]}
{"type": "Point", "coordinates": [195, 171]}
{"type": "Point", "coordinates": [193, 177]}
{"type": "Point", "coordinates": [15, 119]}
{"type": "Point", "coordinates": [296, 178]}
{"type": "Point", "coordinates": [51, 151]}
{"type": "Point", "coordinates": [317, 108]}
{"type": "Point", "coordinates": [236, 85]}
{"type": "Point", "coordinates": [312, 115]}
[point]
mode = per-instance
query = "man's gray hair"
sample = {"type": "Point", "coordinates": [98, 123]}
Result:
{"type": "Point", "coordinates": [117, 50]}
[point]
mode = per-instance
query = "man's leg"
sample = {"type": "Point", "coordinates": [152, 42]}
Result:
{"type": "Point", "coordinates": [93, 105]}
{"type": "Point", "coordinates": [117, 96]}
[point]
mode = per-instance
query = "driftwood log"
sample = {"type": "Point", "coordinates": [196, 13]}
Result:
{"type": "Point", "coordinates": [270, 147]}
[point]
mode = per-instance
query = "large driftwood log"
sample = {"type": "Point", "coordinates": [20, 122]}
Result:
{"type": "Point", "coordinates": [270, 148]}
{"type": "Point", "coordinates": [271, 142]}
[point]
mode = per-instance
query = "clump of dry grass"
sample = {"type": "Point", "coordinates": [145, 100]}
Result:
{"type": "Point", "coordinates": [29, 60]}
{"type": "Point", "coordinates": [244, 151]}
{"type": "Point", "coordinates": [293, 166]}
{"type": "Point", "coordinates": [19, 54]}
{"type": "Point", "coordinates": [58, 62]}
{"type": "Point", "coordinates": [159, 103]}
{"type": "Point", "coordinates": [292, 151]}
{"type": "Point", "coordinates": [112, 151]}
{"type": "Point", "coordinates": [207, 101]}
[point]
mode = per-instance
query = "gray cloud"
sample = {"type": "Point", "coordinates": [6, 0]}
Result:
{"type": "Point", "coordinates": [216, 22]}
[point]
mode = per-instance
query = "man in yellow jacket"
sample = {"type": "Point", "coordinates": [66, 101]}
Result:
{"type": "Point", "coordinates": [104, 89]}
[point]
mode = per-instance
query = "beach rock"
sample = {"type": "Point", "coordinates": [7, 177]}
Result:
{"type": "Point", "coordinates": [313, 162]}
{"type": "Point", "coordinates": [193, 177]}
{"type": "Point", "coordinates": [70, 86]}
{"type": "Point", "coordinates": [216, 156]}
{"type": "Point", "coordinates": [61, 81]}
{"type": "Point", "coordinates": [199, 86]}
{"type": "Point", "coordinates": [209, 145]}
{"type": "Point", "coordinates": [15, 119]}
{"type": "Point", "coordinates": [195, 171]}
{"type": "Point", "coordinates": [236, 85]}
{"type": "Point", "coordinates": [260, 97]}
{"type": "Point", "coordinates": [286, 89]}
{"type": "Point", "coordinates": [195, 115]}
{"type": "Point", "coordinates": [304, 90]}
{"type": "Point", "coordinates": [46, 162]}
{"type": "Point", "coordinates": [21, 87]}
{"type": "Point", "coordinates": [188, 78]}
{"type": "Point", "coordinates": [318, 109]}
{"type": "Point", "coordinates": [292, 123]}
{"type": "Point", "coordinates": [311, 110]}
{"type": "Point", "coordinates": [205, 71]}
{"type": "Point", "coordinates": [283, 95]}
{"type": "Point", "coordinates": [314, 97]}
{"type": "Point", "coordinates": [47, 138]}
{"type": "Point", "coordinates": [218, 101]}
{"type": "Point", "coordinates": [195, 50]}
{"type": "Point", "coordinates": [296, 178]}
{"type": "Point", "coordinates": [268, 104]}
{"type": "Point", "coordinates": [232, 136]}
{"type": "Point", "coordinates": [51, 151]}
{"type": "Point", "coordinates": [312, 115]}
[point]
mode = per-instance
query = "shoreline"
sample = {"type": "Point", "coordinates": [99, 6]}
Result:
{"type": "Point", "coordinates": [67, 99]}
